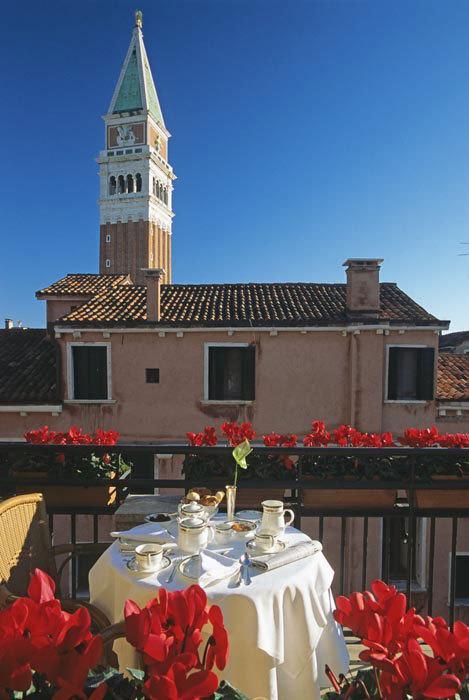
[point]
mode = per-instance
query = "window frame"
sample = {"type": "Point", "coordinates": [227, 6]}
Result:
{"type": "Point", "coordinates": [419, 583]}
{"type": "Point", "coordinates": [415, 346]}
{"type": "Point", "coordinates": [70, 372]}
{"type": "Point", "coordinates": [206, 399]}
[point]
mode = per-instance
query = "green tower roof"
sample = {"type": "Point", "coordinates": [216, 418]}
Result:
{"type": "Point", "coordinates": [135, 88]}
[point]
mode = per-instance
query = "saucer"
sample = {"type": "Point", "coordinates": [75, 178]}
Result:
{"type": "Point", "coordinates": [132, 567]}
{"type": "Point", "coordinates": [168, 518]}
{"type": "Point", "coordinates": [257, 551]}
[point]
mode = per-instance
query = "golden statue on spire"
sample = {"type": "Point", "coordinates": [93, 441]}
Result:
{"type": "Point", "coordinates": [138, 18]}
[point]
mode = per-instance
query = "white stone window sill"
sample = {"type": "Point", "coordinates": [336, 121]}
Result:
{"type": "Point", "coordinates": [211, 402]}
{"type": "Point", "coordinates": [414, 586]}
{"type": "Point", "coordinates": [461, 603]}
{"type": "Point", "coordinates": [418, 401]}
{"type": "Point", "coordinates": [91, 401]}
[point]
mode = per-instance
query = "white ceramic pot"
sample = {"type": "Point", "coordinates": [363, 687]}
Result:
{"type": "Point", "coordinates": [194, 534]}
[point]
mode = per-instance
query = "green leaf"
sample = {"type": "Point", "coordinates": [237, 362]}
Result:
{"type": "Point", "coordinates": [95, 679]}
{"type": "Point", "coordinates": [240, 453]}
{"type": "Point", "coordinates": [137, 673]}
{"type": "Point", "coordinates": [227, 692]}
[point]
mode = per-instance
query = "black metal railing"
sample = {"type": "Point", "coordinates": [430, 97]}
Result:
{"type": "Point", "coordinates": [344, 547]}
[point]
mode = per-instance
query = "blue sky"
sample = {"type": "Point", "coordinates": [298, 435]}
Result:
{"type": "Point", "coordinates": [304, 133]}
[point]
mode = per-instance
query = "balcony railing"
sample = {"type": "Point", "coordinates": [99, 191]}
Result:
{"type": "Point", "coordinates": [369, 547]}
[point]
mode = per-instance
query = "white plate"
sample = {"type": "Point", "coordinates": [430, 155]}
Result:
{"type": "Point", "coordinates": [132, 567]}
{"type": "Point", "coordinates": [171, 516]}
{"type": "Point", "coordinates": [253, 515]}
{"type": "Point", "coordinates": [257, 551]}
{"type": "Point", "coordinates": [190, 568]}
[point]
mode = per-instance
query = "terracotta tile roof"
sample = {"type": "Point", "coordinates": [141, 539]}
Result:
{"type": "Point", "coordinates": [82, 284]}
{"type": "Point", "coordinates": [449, 340]}
{"type": "Point", "coordinates": [222, 305]}
{"type": "Point", "coordinates": [453, 377]}
{"type": "Point", "coordinates": [28, 366]}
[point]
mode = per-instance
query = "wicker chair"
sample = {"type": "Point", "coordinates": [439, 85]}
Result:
{"type": "Point", "coordinates": [25, 545]}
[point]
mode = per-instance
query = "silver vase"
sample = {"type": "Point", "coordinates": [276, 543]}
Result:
{"type": "Point", "coordinates": [230, 502]}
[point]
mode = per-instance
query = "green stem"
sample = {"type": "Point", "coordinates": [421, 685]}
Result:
{"type": "Point", "coordinates": [378, 686]}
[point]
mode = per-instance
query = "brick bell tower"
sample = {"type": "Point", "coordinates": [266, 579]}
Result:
{"type": "Point", "coordinates": [135, 203]}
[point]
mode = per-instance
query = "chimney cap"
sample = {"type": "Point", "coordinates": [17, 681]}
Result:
{"type": "Point", "coordinates": [157, 272]}
{"type": "Point", "coordinates": [363, 262]}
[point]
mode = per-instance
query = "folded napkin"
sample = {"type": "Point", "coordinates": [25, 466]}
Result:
{"type": "Point", "coordinates": [144, 533]}
{"type": "Point", "coordinates": [267, 562]}
{"type": "Point", "coordinates": [214, 566]}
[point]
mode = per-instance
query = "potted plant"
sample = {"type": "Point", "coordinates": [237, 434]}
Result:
{"type": "Point", "coordinates": [196, 468]}
{"type": "Point", "coordinates": [410, 656]}
{"type": "Point", "coordinates": [61, 466]}
{"type": "Point", "coordinates": [345, 468]}
{"type": "Point", "coordinates": [47, 653]}
{"type": "Point", "coordinates": [439, 468]}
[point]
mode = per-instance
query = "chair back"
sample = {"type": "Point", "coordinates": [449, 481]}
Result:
{"type": "Point", "coordinates": [24, 541]}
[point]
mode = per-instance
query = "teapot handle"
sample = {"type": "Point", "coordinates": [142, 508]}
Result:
{"type": "Point", "coordinates": [292, 516]}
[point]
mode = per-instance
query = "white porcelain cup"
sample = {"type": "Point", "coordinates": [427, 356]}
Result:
{"type": "Point", "coordinates": [223, 531]}
{"type": "Point", "coordinates": [148, 557]}
{"type": "Point", "coordinates": [265, 541]}
{"type": "Point", "coordinates": [194, 534]}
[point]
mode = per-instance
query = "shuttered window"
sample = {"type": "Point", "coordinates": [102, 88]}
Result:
{"type": "Point", "coordinates": [411, 374]}
{"type": "Point", "coordinates": [90, 372]}
{"type": "Point", "coordinates": [231, 373]}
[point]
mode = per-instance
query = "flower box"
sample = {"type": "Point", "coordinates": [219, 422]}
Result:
{"type": "Point", "coordinates": [57, 496]}
{"type": "Point", "coordinates": [443, 498]}
{"type": "Point", "coordinates": [347, 469]}
{"type": "Point", "coordinates": [197, 469]}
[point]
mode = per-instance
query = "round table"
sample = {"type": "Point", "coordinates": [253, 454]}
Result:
{"type": "Point", "coordinates": [281, 628]}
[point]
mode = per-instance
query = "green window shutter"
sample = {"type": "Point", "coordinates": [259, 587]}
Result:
{"type": "Point", "coordinates": [426, 367]}
{"type": "Point", "coordinates": [90, 372]}
{"type": "Point", "coordinates": [392, 373]}
{"type": "Point", "coordinates": [249, 373]}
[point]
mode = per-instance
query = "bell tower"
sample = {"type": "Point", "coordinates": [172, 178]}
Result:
{"type": "Point", "coordinates": [135, 204]}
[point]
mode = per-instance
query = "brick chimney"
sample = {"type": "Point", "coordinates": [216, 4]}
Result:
{"type": "Point", "coordinates": [363, 286]}
{"type": "Point", "coordinates": [153, 277]}
{"type": "Point", "coordinates": [8, 324]}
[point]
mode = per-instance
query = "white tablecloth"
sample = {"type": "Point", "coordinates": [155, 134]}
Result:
{"type": "Point", "coordinates": [281, 628]}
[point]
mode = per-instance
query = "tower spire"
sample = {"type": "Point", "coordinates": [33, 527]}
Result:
{"type": "Point", "coordinates": [135, 88]}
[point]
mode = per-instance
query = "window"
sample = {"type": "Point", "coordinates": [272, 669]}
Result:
{"type": "Point", "coordinates": [108, 263]}
{"type": "Point", "coordinates": [231, 373]}
{"type": "Point", "coordinates": [410, 374]}
{"type": "Point", "coordinates": [112, 185]}
{"type": "Point", "coordinates": [108, 237]}
{"type": "Point", "coordinates": [165, 195]}
{"type": "Point", "coordinates": [121, 184]}
{"type": "Point", "coordinates": [462, 577]}
{"type": "Point", "coordinates": [110, 153]}
{"type": "Point", "coordinates": [90, 372]}
{"type": "Point", "coordinates": [138, 180]}
{"type": "Point", "coordinates": [152, 375]}
{"type": "Point", "coordinates": [396, 544]}
{"type": "Point", "coordinates": [130, 183]}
